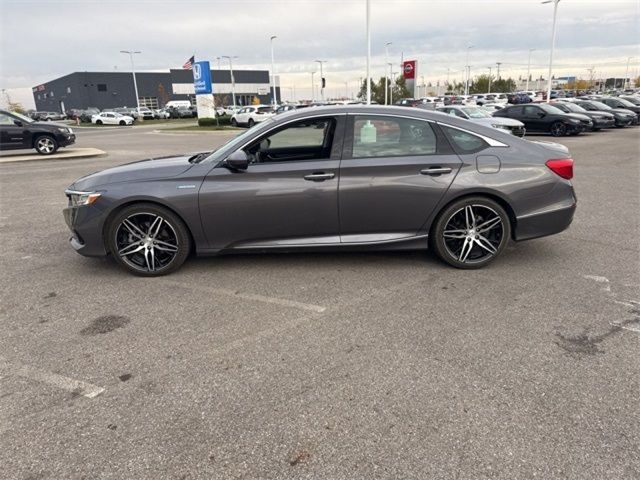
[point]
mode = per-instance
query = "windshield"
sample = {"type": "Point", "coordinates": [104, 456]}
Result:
{"type": "Point", "coordinates": [572, 107]}
{"type": "Point", "coordinates": [22, 117]}
{"type": "Point", "coordinates": [550, 109]}
{"type": "Point", "coordinates": [236, 142]}
{"type": "Point", "coordinates": [476, 112]}
{"type": "Point", "coordinates": [626, 103]}
{"type": "Point", "coordinates": [634, 101]}
{"type": "Point", "coordinates": [600, 105]}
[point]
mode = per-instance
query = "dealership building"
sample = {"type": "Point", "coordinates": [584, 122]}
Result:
{"type": "Point", "coordinates": [105, 90]}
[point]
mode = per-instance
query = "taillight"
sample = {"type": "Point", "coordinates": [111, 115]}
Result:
{"type": "Point", "coordinates": [562, 167]}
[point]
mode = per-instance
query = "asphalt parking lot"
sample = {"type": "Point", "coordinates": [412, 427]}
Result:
{"type": "Point", "coordinates": [324, 366]}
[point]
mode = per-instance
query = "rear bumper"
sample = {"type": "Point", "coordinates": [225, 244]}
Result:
{"type": "Point", "coordinates": [544, 223]}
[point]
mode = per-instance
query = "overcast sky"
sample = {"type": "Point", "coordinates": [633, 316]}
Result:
{"type": "Point", "coordinates": [44, 39]}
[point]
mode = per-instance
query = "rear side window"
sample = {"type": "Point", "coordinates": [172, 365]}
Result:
{"type": "Point", "coordinates": [380, 136]}
{"type": "Point", "coordinates": [464, 142]}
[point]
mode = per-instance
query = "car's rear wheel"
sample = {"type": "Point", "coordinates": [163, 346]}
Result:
{"type": "Point", "coordinates": [251, 123]}
{"type": "Point", "coordinates": [98, 122]}
{"type": "Point", "coordinates": [148, 240]}
{"type": "Point", "coordinates": [471, 232]}
{"type": "Point", "coordinates": [234, 122]}
{"type": "Point", "coordinates": [46, 145]}
{"type": "Point", "coordinates": [558, 129]}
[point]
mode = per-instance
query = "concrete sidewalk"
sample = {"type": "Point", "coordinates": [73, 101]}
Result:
{"type": "Point", "coordinates": [62, 154]}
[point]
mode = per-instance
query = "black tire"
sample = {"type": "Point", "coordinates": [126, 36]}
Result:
{"type": "Point", "coordinates": [558, 129]}
{"type": "Point", "coordinates": [234, 122]}
{"type": "Point", "coordinates": [98, 122]}
{"type": "Point", "coordinates": [45, 145]}
{"type": "Point", "coordinates": [251, 123]}
{"type": "Point", "coordinates": [595, 129]}
{"type": "Point", "coordinates": [122, 123]}
{"type": "Point", "coordinates": [145, 248]}
{"type": "Point", "coordinates": [485, 245]}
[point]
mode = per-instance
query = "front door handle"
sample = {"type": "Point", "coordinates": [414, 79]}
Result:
{"type": "Point", "coordinates": [319, 176]}
{"type": "Point", "coordinates": [435, 170]}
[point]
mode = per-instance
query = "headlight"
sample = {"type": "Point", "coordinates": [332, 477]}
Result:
{"type": "Point", "coordinates": [574, 120]}
{"type": "Point", "coordinates": [503, 127]}
{"type": "Point", "coordinates": [64, 130]}
{"type": "Point", "coordinates": [77, 199]}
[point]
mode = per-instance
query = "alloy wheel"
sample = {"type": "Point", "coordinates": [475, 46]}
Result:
{"type": "Point", "coordinates": [146, 242]}
{"type": "Point", "coordinates": [45, 145]}
{"type": "Point", "coordinates": [473, 234]}
{"type": "Point", "coordinates": [558, 129]}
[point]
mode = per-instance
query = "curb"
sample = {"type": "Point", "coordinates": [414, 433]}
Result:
{"type": "Point", "coordinates": [68, 155]}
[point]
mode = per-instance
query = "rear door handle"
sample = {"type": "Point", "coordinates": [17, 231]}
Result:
{"type": "Point", "coordinates": [435, 170]}
{"type": "Point", "coordinates": [319, 176]}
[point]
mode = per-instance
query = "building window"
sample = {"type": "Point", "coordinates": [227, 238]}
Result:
{"type": "Point", "coordinates": [149, 102]}
{"type": "Point", "coordinates": [38, 96]}
{"type": "Point", "coordinates": [51, 94]}
{"type": "Point", "coordinates": [68, 89]}
{"type": "Point", "coordinates": [102, 87]}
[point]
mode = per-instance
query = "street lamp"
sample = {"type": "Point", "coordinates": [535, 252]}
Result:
{"type": "Point", "coordinates": [626, 75]}
{"type": "Point", "coordinates": [386, 61]}
{"type": "Point", "coordinates": [391, 89]}
{"type": "Point", "coordinates": [529, 68]}
{"type": "Point", "coordinates": [274, 97]}
{"type": "Point", "coordinates": [131, 53]}
{"type": "Point", "coordinates": [321, 78]}
{"type": "Point", "coordinates": [233, 81]}
{"type": "Point", "coordinates": [489, 87]}
{"type": "Point", "coordinates": [368, 51]}
{"type": "Point", "coordinates": [553, 42]}
{"type": "Point", "coordinates": [468, 68]}
{"type": "Point", "coordinates": [313, 87]}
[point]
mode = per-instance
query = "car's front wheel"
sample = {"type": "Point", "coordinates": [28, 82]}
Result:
{"type": "Point", "coordinates": [251, 123]}
{"type": "Point", "coordinates": [234, 122]}
{"type": "Point", "coordinates": [148, 240]}
{"type": "Point", "coordinates": [46, 145]}
{"type": "Point", "coordinates": [471, 232]}
{"type": "Point", "coordinates": [558, 129]}
{"type": "Point", "coordinates": [123, 123]}
{"type": "Point", "coordinates": [98, 122]}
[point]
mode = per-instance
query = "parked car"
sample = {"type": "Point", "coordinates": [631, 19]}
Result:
{"type": "Point", "coordinates": [545, 118]}
{"type": "Point", "coordinates": [482, 117]}
{"type": "Point", "coordinates": [21, 132]}
{"type": "Point", "coordinates": [623, 117]}
{"type": "Point", "coordinates": [145, 113]}
{"type": "Point", "coordinates": [178, 104]}
{"type": "Point", "coordinates": [231, 109]}
{"type": "Point", "coordinates": [631, 98]}
{"type": "Point", "coordinates": [184, 112]}
{"type": "Point", "coordinates": [111, 118]}
{"type": "Point", "coordinates": [401, 187]}
{"type": "Point", "coordinates": [615, 102]}
{"type": "Point", "coordinates": [52, 116]}
{"type": "Point", "coordinates": [87, 113]}
{"type": "Point", "coordinates": [161, 114]}
{"type": "Point", "coordinates": [290, 106]}
{"type": "Point", "coordinates": [600, 119]}
{"type": "Point", "coordinates": [73, 113]}
{"type": "Point", "coordinates": [249, 116]}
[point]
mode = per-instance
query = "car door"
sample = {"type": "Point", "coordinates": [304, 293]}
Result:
{"type": "Point", "coordinates": [393, 173]}
{"type": "Point", "coordinates": [287, 196]}
{"type": "Point", "coordinates": [12, 135]}
{"type": "Point", "coordinates": [535, 118]}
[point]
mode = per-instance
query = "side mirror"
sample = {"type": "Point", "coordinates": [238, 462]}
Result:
{"type": "Point", "coordinates": [238, 160]}
{"type": "Point", "coordinates": [542, 114]}
{"type": "Point", "coordinates": [18, 123]}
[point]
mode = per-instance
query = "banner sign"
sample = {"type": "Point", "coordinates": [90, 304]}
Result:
{"type": "Point", "coordinates": [409, 69]}
{"type": "Point", "coordinates": [202, 78]}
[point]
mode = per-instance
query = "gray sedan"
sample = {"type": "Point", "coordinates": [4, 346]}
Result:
{"type": "Point", "coordinates": [329, 178]}
{"type": "Point", "coordinates": [483, 117]}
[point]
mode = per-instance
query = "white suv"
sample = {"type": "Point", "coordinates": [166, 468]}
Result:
{"type": "Point", "coordinates": [249, 116]}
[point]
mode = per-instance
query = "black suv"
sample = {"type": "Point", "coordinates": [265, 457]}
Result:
{"type": "Point", "coordinates": [543, 117]}
{"type": "Point", "coordinates": [20, 132]}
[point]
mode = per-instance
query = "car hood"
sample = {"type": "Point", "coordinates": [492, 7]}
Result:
{"type": "Point", "coordinates": [509, 122]}
{"type": "Point", "coordinates": [622, 110]}
{"type": "Point", "coordinates": [150, 169]}
{"type": "Point", "coordinates": [49, 124]}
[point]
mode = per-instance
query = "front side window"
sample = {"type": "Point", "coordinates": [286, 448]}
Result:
{"type": "Point", "coordinates": [303, 140]}
{"type": "Point", "coordinates": [464, 142]}
{"type": "Point", "coordinates": [380, 136]}
{"type": "Point", "coordinates": [531, 111]}
{"type": "Point", "coordinates": [5, 119]}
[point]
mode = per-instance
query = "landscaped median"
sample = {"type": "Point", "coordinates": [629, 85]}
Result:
{"type": "Point", "coordinates": [221, 123]}
{"type": "Point", "coordinates": [62, 154]}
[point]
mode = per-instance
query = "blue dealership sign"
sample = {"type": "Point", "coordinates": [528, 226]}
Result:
{"type": "Point", "coordinates": [202, 78]}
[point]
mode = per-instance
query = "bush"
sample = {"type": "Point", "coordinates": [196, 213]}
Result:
{"type": "Point", "coordinates": [221, 120]}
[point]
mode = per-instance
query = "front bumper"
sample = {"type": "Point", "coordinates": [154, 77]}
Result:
{"type": "Point", "coordinates": [604, 123]}
{"type": "Point", "coordinates": [86, 224]}
{"type": "Point", "coordinates": [66, 139]}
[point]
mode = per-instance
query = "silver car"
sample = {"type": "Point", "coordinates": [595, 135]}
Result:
{"type": "Point", "coordinates": [329, 178]}
{"type": "Point", "coordinates": [483, 117]}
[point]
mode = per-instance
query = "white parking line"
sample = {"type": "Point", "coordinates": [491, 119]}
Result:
{"type": "Point", "coordinates": [77, 387]}
{"type": "Point", "coordinates": [250, 296]}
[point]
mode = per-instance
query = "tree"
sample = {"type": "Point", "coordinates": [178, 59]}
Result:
{"type": "Point", "coordinates": [481, 85]}
{"type": "Point", "coordinates": [13, 106]}
{"type": "Point", "coordinates": [163, 96]}
{"type": "Point", "coordinates": [398, 90]}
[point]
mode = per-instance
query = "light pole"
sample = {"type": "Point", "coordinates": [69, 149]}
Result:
{"type": "Point", "coordinates": [386, 64]}
{"type": "Point", "coordinates": [489, 87]}
{"type": "Point", "coordinates": [498, 72]}
{"type": "Point", "coordinates": [391, 86]}
{"type": "Point", "coordinates": [529, 68]}
{"type": "Point", "coordinates": [274, 97]}
{"type": "Point", "coordinates": [233, 80]}
{"type": "Point", "coordinates": [424, 86]}
{"type": "Point", "coordinates": [553, 42]}
{"type": "Point", "coordinates": [321, 79]}
{"type": "Point", "coordinates": [368, 51]}
{"type": "Point", "coordinates": [131, 53]}
{"type": "Point", "coordinates": [218, 59]}
{"type": "Point", "coordinates": [468, 68]}
{"type": "Point", "coordinates": [626, 74]}
{"type": "Point", "coordinates": [313, 87]}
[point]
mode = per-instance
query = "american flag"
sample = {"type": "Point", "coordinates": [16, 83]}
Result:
{"type": "Point", "coordinates": [188, 65]}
